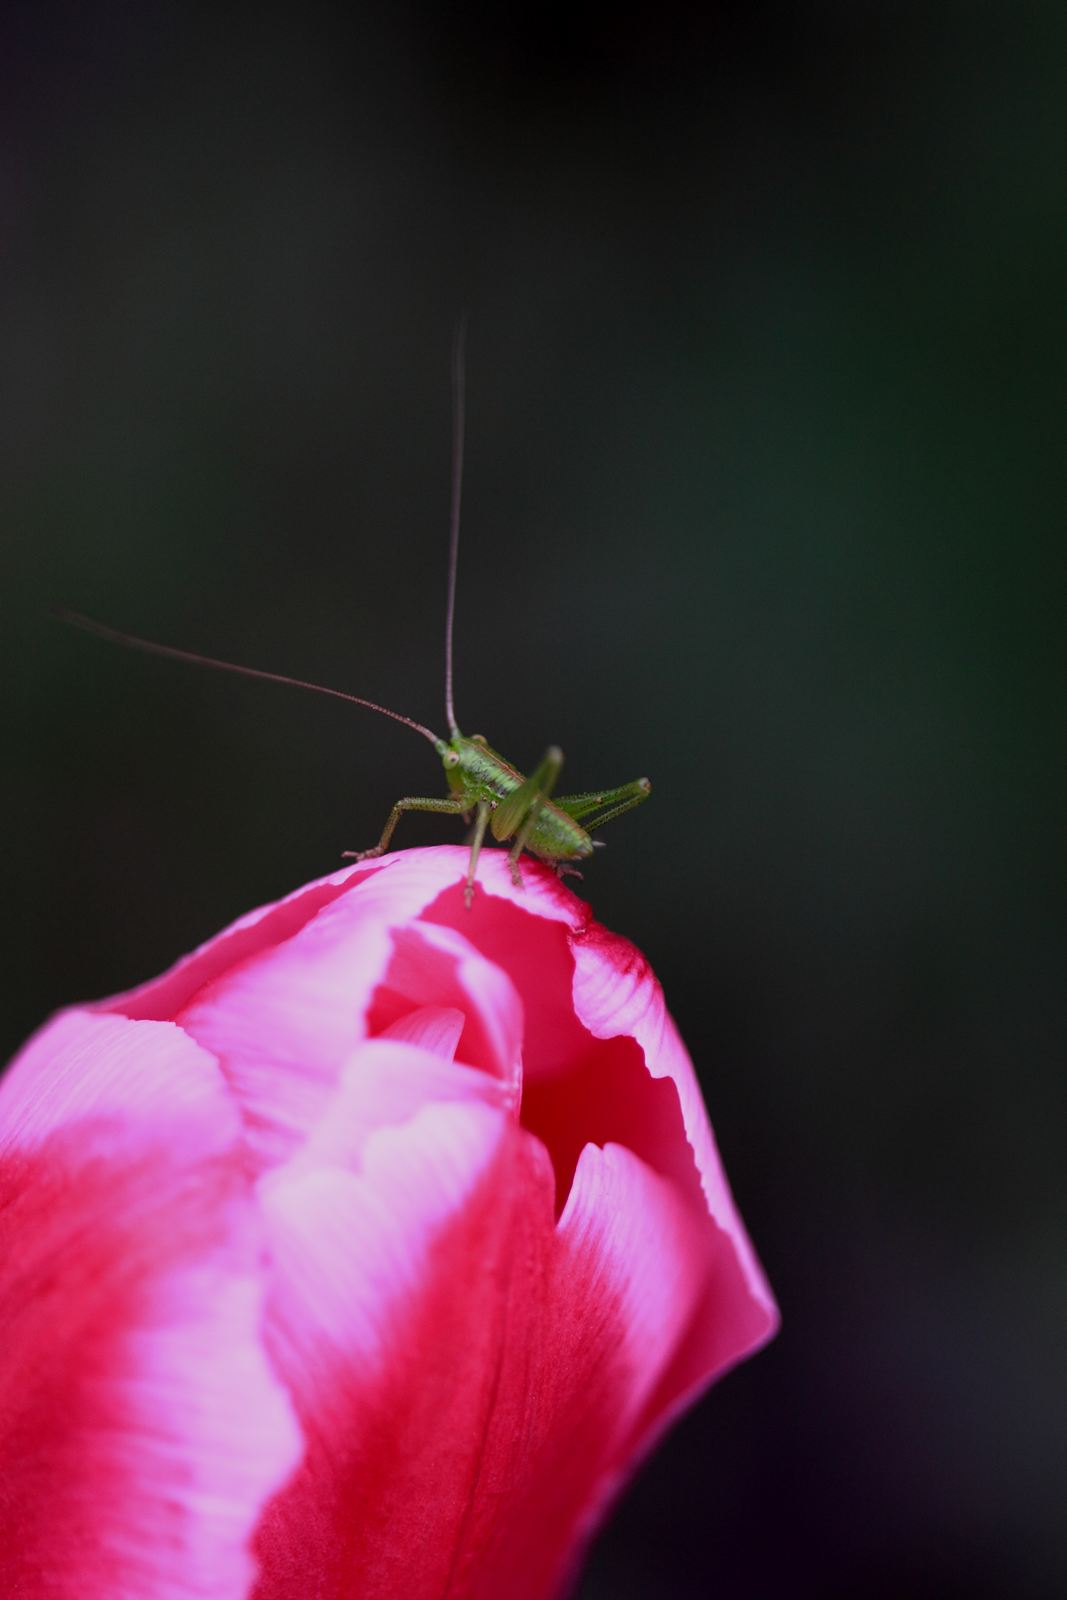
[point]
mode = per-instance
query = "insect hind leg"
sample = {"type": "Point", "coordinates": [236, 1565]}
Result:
{"type": "Point", "coordinates": [583, 806]}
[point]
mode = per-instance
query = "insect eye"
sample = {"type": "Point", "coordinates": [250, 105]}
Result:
{"type": "Point", "coordinates": [451, 759]}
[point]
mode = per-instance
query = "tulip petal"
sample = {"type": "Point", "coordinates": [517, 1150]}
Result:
{"type": "Point", "coordinates": [251, 935]}
{"type": "Point", "coordinates": [605, 1063]}
{"type": "Point", "coordinates": [433, 965]}
{"type": "Point", "coordinates": [141, 1426]}
{"type": "Point", "coordinates": [623, 1277]}
{"type": "Point", "coordinates": [386, 1321]}
{"type": "Point", "coordinates": [499, 1247]}
{"type": "Point", "coordinates": [615, 993]}
{"type": "Point", "coordinates": [469, 1375]}
{"type": "Point", "coordinates": [434, 1028]}
{"type": "Point", "coordinates": [81, 1064]}
{"type": "Point", "coordinates": [383, 1084]}
{"type": "Point", "coordinates": [282, 1021]}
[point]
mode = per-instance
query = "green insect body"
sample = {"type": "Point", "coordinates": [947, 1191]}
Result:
{"type": "Point", "coordinates": [484, 788]}
{"type": "Point", "coordinates": [510, 806]}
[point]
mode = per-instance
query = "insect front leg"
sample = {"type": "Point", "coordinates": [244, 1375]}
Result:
{"type": "Point", "coordinates": [409, 803]}
{"type": "Point", "coordinates": [518, 812]}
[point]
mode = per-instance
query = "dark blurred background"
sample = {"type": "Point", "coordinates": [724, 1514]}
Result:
{"type": "Point", "coordinates": [765, 498]}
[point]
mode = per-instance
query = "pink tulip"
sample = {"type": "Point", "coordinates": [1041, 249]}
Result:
{"type": "Point", "coordinates": [362, 1253]}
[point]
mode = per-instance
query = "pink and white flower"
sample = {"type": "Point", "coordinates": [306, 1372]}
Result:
{"type": "Point", "coordinates": [364, 1252]}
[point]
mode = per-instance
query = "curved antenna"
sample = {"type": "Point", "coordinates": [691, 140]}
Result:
{"type": "Point", "coordinates": [154, 649]}
{"type": "Point", "coordinates": [459, 385]}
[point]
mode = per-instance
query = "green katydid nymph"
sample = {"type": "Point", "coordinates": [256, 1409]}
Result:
{"type": "Point", "coordinates": [485, 789]}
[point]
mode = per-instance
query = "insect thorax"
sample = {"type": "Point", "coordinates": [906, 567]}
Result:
{"type": "Point", "coordinates": [482, 774]}
{"type": "Point", "coordinates": [479, 771]}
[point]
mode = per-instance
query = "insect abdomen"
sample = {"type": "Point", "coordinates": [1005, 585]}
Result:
{"type": "Point", "coordinates": [558, 837]}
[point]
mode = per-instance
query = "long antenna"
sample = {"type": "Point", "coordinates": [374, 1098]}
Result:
{"type": "Point", "coordinates": [154, 649]}
{"type": "Point", "coordinates": [459, 384]}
